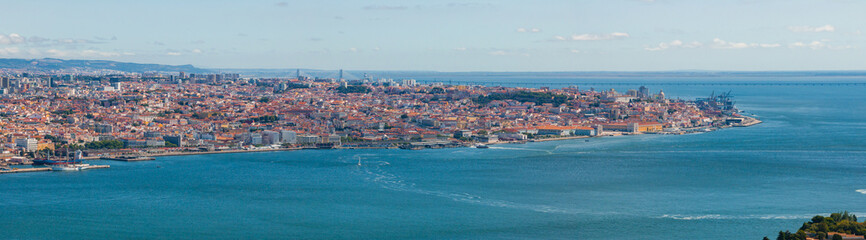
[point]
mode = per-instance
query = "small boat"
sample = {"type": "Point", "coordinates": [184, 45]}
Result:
{"type": "Point", "coordinates": [481, 146]}
{"type": "Point", "coordinates": [70, 167]}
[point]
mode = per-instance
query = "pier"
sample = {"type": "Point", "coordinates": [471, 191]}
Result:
{"type": "Point", "coordinates": [45, 169]}
{"type": "Point", "coordinates": [24, 170]}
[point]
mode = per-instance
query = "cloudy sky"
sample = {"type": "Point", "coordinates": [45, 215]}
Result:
{"type": "Point", "coordinates": [448, 35]}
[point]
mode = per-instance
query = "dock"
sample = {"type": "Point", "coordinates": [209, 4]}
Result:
{"type": "Point", "coordinates": [24, 170]}
{"type": "Point", "coordinates": [45, 169]}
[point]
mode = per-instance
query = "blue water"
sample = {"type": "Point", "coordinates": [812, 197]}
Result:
{"type": "Point", "coordinates": [807, 158]}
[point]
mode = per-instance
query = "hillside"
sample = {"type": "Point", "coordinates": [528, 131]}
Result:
{"type": "Point", "coordinates": [51, 64]}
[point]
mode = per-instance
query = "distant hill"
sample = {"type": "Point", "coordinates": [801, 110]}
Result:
{"type": "Point", "coordinates": [49, 64]}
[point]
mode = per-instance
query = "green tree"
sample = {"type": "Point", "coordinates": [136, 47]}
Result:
{"type": "Point", "coordinates": [352, 89]}
{"type": "Point", "coordinates": [105, 144]}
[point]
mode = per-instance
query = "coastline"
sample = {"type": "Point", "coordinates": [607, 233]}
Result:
{"type": "Point", "coordinates": [749, 121]}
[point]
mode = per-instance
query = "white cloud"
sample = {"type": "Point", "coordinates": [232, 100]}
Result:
{"type": "Point", "coordinates": [12, 38]}
{"type": "Point", "coordinates": [173, 53]}
{"type": "Point", "coordinates": [529, 30]}
{"type": "Point", "coordinates": [816, 45]}
{"type": "Point", "coordinates": [716, 43]}
{"type": "Point", "coordinates": [521, 30]}
{"type": "Point", "coordinates": [825, 28]}
{"type": "Point", "coordinates": [196, 51]}
{"type": "Point", "coordinates": [722, 44]}
{"type": "Point", "coordinates": [460, 49]}
{"type": "Point", "coordinates": [385, 7]}
{"type": "Point", "coordinates": [353, 49]}
{"type": "Point", "coordinates": [95, 53]}
{"type": "Point", "coordinates": [498, 53]}
{"type": "Point", "coordinates": [535, 30]}
{"type": "Point", "coordinates": [674, 44]}
{"type": "Point", "coordinates": [719, 43]}
{"type": "Point", "coordinates": [593, 37]}
{"type": "Point", "coordinates": [9, 51]}
{"type": "Point", "coordinates": [89, 53]}
{"type": "Point", "coordinates": [58, 53]}
{"type": "Point", "coordinates": [575, 51]}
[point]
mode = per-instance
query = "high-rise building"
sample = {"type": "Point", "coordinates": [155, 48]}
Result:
{"type": "Point", "coordinates": [270, 137]}
{"type": "Point", "coordinates": [175, 139]}
{"type": "Point", "coordinates": [103, 128]}
{"type": "Point", "coordinates": [29, 144]}
{"type": "Point", "coordinates": [643, 92]}
{"type": "Point", "coordinates": [289, 136]}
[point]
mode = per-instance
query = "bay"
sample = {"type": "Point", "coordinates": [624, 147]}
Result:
{"type": "Point", "coordinates": [807, 158]}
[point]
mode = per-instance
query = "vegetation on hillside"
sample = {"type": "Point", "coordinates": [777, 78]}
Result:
{"type": "Point", "coordinates": [819, 227]}
{"type": "Point", "coordinates": [524, 96]}
{"type": "Point", "coordinates": [352, 89]}
{"type": "Point", "coordinates": [110, 144]}
{"type": "Point", "coordinates": [262, 119]}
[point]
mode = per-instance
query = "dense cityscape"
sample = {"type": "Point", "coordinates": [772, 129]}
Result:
{"type": "Point", "coordinates": [116, 114]}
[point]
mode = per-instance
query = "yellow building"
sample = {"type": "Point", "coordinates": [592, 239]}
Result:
{"type": "Point", "coordinates": [45, 145]}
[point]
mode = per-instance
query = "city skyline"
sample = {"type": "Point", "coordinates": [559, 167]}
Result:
{"type": "Point", "coordinates": [446, 36]}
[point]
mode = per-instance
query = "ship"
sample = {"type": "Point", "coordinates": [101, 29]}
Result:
{"type": "Point", "coordinates": [70, 167]}
{"type": "Point", "coordinates": [78, 159]}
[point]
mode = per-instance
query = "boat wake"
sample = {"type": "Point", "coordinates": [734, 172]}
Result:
{"type": "Point", "coordinates": [862, 191]}
{"type": "Point", "coordinates": [393, 182]}
{"type": "Point", "coordinates": [732, 217]}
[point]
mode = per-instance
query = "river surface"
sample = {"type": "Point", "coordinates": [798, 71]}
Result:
{"type": "Point", "coordinates": [807, 158]}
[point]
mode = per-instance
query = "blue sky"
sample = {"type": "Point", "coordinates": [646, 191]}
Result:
{"type": "Point", "coordinates": [450, 35]}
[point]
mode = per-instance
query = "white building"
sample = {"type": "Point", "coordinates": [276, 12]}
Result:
{"type": "Point", "coordinates": [289, 136]}
{"type": "Point", "coordinates": [309, 139]}
{"type": "Point", "coordinates": [270, 137]}
{"type": "Point", "coordinates": [29, 144]}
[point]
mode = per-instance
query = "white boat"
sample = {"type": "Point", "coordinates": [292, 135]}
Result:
{"type": "Point", "coordinates": [70, 167]}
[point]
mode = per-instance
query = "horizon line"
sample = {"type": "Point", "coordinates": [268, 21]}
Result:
{"type": "Point", "coordinates": [445, 71]}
